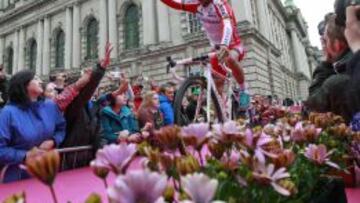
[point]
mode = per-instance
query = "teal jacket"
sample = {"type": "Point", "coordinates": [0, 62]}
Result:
{"type": "Point", "coordinates": [113, 123]}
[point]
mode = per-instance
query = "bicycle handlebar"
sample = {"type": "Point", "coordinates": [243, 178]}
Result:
{"type": "Point", "coordinates": [188, 61]}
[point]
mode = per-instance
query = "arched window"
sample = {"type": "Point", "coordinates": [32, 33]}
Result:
{"type": "Point", "coordinates": [59, 49]}
{"type": "Point", "coordinates": [32, 55]}
{"type": "Point", "coordinates": [131, 27]}
{"type": "Point", "coordinates": [9, 60]}
{"type": "Point", "coordinates": [92, 39]}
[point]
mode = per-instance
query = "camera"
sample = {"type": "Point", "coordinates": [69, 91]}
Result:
{"type": "Point", "coordinates": [340, 10]}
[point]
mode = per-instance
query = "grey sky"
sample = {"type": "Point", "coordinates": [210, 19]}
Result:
{"type": "Point", "coordinates": [313, 12]}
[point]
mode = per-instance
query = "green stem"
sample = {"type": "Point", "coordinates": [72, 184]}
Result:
{"type": "Point", "coordinates": [106, 186]}
{"type": "Point", "coordinates": [53, 193]}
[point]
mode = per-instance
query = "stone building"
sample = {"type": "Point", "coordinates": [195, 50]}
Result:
{"type": "Point", "coordinates": [44, 35]}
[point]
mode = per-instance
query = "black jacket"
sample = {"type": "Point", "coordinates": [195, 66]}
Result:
{"type": "Point", "coordinates": [82, 123]}
{"type": "Point", "coordinates": [353, 89]}
{"type": "Point", "coordinates": [328, 90]}
{"type": "Point", "coordinates": [323, 71]}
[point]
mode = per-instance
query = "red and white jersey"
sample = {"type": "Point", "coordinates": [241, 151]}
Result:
{"type": "Point", "coordinates": [217, 19]}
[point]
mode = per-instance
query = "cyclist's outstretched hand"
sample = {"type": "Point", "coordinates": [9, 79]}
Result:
{"type": "Point", "coordinates": [222, 53]}
{"type": "Point", "coordinates": [105, 62]}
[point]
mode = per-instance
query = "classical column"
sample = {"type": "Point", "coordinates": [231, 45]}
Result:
{"type": "Point", "coordinates": [2, 47]}
{"type": "Point", "coordinates": [21, 49]}
{"type": "Point", "coordinates": [113, 28]}
{"type": "Point", "coordinates": [46, 51]}
{"type": "Point", "coordinates": [149, 18]}
{"type": "Point", "coordinates": [40, 33]}
{"type": "Point", "coordinates": [68, 39]}
{"type": "Point", "coordinates": [295, 47]}
{"type": "Point", "coordinates": [103, 28]}
{"type": "Point", "coordinates": [242, 10]}
{"type": "Point", "coordinates": [163, 22]}
{"type": "Point", "coordinates": [16, 51]}
{"type": "Point", "coordinates": [76, 46]}
{"type": "Point", "coordinates": [263, 12]}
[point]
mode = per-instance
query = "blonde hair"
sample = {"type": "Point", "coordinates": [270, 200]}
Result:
{"type": "Point", "coordinates": [148, 99]}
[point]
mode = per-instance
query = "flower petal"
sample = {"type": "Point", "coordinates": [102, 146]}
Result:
{"type": "Point", "coordinates": [280, 189]}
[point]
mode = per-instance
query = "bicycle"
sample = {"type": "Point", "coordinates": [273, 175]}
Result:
{"type": "Point", "coordinates": [224, 108]}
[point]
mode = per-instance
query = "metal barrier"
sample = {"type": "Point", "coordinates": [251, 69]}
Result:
{"type": "Point", "coordinates": [65, 153]}
{"type": "Point", "coordinates": [71, 154]}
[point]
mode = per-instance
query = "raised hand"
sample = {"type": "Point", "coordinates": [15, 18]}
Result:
{"type": "Point", "coordinates": [352, 31]}
{"type": "Point", "coordinates": [105, 62]}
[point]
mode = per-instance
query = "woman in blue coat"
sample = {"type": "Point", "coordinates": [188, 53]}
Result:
{"type": "Point", "coordinates": [29, 125]}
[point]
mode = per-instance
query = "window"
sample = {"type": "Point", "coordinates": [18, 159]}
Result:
{"type": "Point", "coordinates": [131, 27]}
{"type": "Point", "coordinates": [92, 39]}
{"type": "Point", "coordinates": [194, 23]}
{"type": "Point", "coordinates": [9, 60]}
{"type": "Point", "coordinates": [59, 49]}
{"type": "Point", "coordinates": [32, 55]}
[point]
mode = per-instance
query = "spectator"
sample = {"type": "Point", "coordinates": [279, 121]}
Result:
{"type": "Point", "coordinates": [3, 87]}
{"type": "Point", "coordinates": [149, 111]}
{"type": "Point", "coordinates": [28, 124]}
{"type": "Point", "coordinates": [116, 118]}
{"type": "Point", "coordinates": [58, 78]}
{"type": "Point", "coordinates": [69, 93]}
{"type": "Point", "coordinates": [329, 93]}
{"type": "Point", "coordinates": [137, 89]}
{"type": "Point", "coordinates": [325, 68]}
{"type": "Point", "coordinates": [352, 34]}
{"type": "Point", "coordinates": [166, 98]}
{"type": "Point", "coordinates": [83, 123]}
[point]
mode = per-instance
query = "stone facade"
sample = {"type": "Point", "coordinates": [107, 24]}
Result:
{"type": "Point", "coordinates": [279, 58]}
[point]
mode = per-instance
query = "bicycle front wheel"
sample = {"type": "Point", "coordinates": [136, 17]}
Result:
{"type": "Point", "coordinates": [190, 103]}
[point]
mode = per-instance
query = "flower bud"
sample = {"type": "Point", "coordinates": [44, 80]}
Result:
{"type": "Point", "coordinates": [187, 165]}
{"type": "Point", "coordinates": [16, 198]}
{"type": "Point", "coordinates": [216, 149]}
{"type": "Point", "coordinates": [44, 166]}
{"type": "Point", "coordinates": [288, 185]}
{"type": "Point", "coordinates": [99, 170]}
{"type": "Point", "coordinates": [169, 194]}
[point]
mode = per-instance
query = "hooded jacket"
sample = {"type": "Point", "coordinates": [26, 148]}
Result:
{"type": "Point", "coordinates": [113, 123]}
{"type": "Point", "coordinates": [167, 110]}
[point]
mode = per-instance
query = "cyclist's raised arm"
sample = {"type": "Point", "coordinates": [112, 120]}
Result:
{"type": "Point", "coordinates": [190, 7]}
{"type": "Point", "coordinates": [223, 9]}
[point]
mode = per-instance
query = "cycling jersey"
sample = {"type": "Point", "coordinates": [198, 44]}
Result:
{"type": "Point", "coordinates": [217, 19]}
{"type": "Point", "coordinates": [219, 23]}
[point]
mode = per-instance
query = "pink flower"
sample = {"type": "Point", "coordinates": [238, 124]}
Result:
{"type": "Point", "coordinates": [115, 157]}
{"type": "Point", "coordinates": [319, 155]}
{"type": "Point", "coordinates": [199, 187]}
{"type": "Point", "coordinates": [305, 133]}
{"type": "Point", "coordinates": [268, 175]}
{"type": "Point", "coordinates": [232, 161]}
{"type": "Point", "coordinates": [199, 131]}
{"type": "Point", "coordinates": [257, 143]}
{"type": "Point", "coordinates": [138, 186]}
{"type": "Point", "coordinates": [226, 131]}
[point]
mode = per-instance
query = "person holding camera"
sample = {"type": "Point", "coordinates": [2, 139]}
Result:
{"type": "Point", "coordinates": [327, 92]}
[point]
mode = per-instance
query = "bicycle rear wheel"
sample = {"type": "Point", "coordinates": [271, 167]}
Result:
{"type": "Point", "coordinates": [190, 111]}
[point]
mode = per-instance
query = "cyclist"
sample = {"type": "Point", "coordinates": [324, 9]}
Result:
{"type": "Point", "coordinates": [219, 23]}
